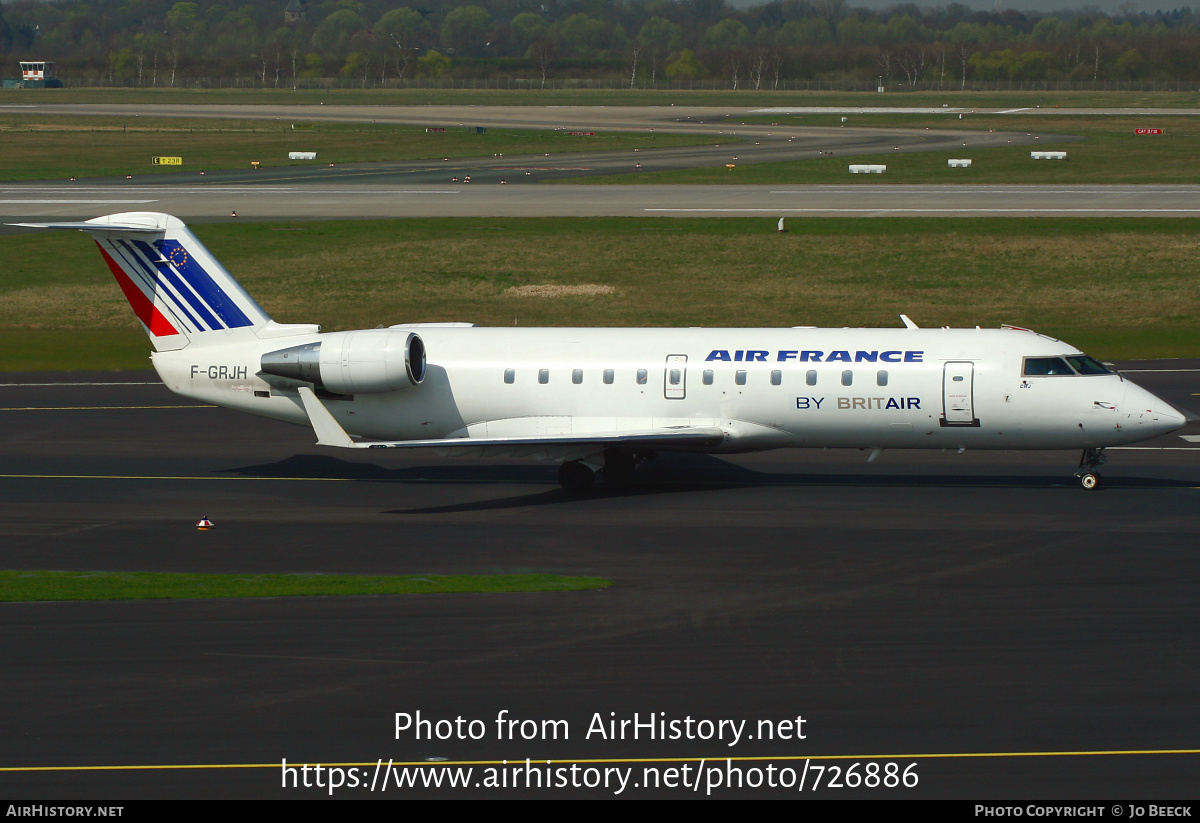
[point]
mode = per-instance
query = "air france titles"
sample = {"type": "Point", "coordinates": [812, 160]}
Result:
{"type": "Point", "coordinates": [816, 356]}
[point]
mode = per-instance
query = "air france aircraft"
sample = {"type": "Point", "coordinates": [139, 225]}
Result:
{"type": "Point", "coordinates": [602, 400]}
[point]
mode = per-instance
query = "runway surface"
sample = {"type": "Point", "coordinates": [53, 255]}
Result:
{"type": "Point", "coordinates": [680, 119]}
{"type": "Point", "coordinates": [924, 604]}
{"type": "Point", "coordinates": [482, 198]}
{"type": "Point", "coordinates": [507, 186]}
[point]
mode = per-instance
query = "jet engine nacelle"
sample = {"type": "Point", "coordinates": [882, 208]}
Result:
{"type": "Point", "coordinates": [353, 362]}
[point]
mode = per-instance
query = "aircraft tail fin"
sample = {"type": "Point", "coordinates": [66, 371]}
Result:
{"type": "Point", "coordinates": [180, 293]}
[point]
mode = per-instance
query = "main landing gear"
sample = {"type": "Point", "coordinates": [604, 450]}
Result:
{"type": "Point", "coordinates": [1091, 459]}
{"type": "Point", "coordinates": [576, 477]}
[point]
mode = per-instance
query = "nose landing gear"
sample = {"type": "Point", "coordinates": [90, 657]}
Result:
{"type": "Point", "coordinates": [1089, 478]}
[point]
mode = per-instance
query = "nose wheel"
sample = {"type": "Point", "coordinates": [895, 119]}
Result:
{"type": "Point", "coordinates": [1089, 478]}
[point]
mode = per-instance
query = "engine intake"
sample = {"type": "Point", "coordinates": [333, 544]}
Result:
{"type": "Point", "coordinates": [353, 362]}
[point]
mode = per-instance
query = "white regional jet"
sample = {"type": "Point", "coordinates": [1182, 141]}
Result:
{"type": "Point", "coordinates": [604, 399]}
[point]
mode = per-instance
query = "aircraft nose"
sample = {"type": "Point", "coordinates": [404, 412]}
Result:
{"type": "Point", "coordinates": [1156, 413]}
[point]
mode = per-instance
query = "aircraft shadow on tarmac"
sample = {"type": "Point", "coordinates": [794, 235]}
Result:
{"type": "Point", "coordinates": [668, 474]}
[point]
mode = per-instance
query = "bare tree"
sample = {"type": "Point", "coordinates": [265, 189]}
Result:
{"type": "Point", "coordinates": [543, 55]}
{"type": "Point", "coordinates": [141, 61]}
{"type": "Point", "coordinates": [174, 60]}
{"type": "Point", "coordinates": [885, 63]}
{"type": "Point", "coordinates": [758, 67]}
{"type": "Point", "coordinates": [633, 63]}
{"type": "Point", "coordinates": [1073, 60]}
{"type": "Point", "coordinates": [776, 68]}
{"type": "Point", "coordinates": [1096, 68]}
{"type": "Point", "coordinates": [964, 54]}
{"type": "Point", "coordinates": [263, 58]}
{"type": "Point", "coordinates": [295, 54]}
{"type": "Point", "coordinates": [912, 63]}
{"type": "Point", "coordinates": [366, 58]}
{"type": "Point", "coordinates": [735, 68]}
{"type": "Point", "coordinates": [403, 56]}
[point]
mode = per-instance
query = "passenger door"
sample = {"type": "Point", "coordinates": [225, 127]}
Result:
{"type": "Point", "coordinates": [958, 394]}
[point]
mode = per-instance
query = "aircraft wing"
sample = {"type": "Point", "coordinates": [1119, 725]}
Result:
{"type": "Point", "coordinates": [330, 433]}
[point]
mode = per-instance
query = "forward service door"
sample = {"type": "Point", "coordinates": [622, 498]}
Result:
{"type": "Point", "coordinates": [958, 394]}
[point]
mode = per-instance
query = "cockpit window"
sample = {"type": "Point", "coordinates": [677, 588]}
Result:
{"type": "Point", "coordinates": [1086, 365]}
{"type": "Point", "coordinates": [1046, 365]}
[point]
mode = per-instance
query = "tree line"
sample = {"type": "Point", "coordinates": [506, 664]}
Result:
{"type": "Point", "coordinates": [640, 42]}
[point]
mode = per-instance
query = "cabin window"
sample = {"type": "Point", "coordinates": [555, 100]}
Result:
{"type": "Point", "coordinates": [641, 377]}
{"type": "Point", "coordinates": [881, 377]}
{"type": "Point", "coordinates": [708, 377]}
{"type": "Point", "coordinates": [739, 377]}
{"type": "Point", "coordinates": [577, 376]}
{"type": "Point", "coordinates": [510, 375]}
{"type": "Point", "coordinates": [608, 376]}
{"type": "Point", "coordinates": [847, 377]}
{"type": "Point", "coordinates": [675, 376]}
{"type": "Point", "coordinates": [811, 377]}
{"type": "Point", "coordinates": [776, 377]}
{"type": "Point", "coordinates": [543, 375]}
{"type": "Point", "coordinates": [1040, 366]}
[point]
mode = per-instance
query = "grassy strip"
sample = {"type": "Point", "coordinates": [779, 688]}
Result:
{"type": "Point", "coordinates": [1111, 154]}
{"type": "Point", "coordinates": [37, 147]}
{"type": "Point", "coordinates": [604, 97]}
{"type": "Point", "coordinates": [28, 586]}
{"type": "Point", "coordinates": [1117, 287]}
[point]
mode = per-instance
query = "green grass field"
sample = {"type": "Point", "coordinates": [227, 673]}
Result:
{"type": "Point", "coordinates": [97, 585]}
{"type": "Point", "coordinates": [1118, 288]}
{"type": "Point", "coordinates": [1111, 153]}
{"type": "Point", "coordinates": [604, 97]}
{"type": "Point", "coordinates": [33, 148]}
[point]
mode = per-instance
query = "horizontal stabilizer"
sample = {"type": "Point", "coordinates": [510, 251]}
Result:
{"type": "Point", "coordinates": [125, 228]}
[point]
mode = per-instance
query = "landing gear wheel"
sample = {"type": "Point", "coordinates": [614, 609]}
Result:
{"type": "Point", "coordinates": [1089, 461]}
{"type": "Point", "coordinates": [618, 466]}
{"type": "Point", "coordinates": [575, 477]}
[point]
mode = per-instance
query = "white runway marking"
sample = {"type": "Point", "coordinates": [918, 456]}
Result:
{"type": "Point", "coordinates": [998, 189]}
{"type": "Point", "coordinates": [169, 190]}
{"type": "Point", "coordinates": [855, 110]}
{"type": "Point", "coordinates": [75, 202]}
{"type": "Point", "coordinates": [876, 209]}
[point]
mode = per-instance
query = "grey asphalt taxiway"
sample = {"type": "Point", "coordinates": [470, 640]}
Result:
{"type": "Point", "coordinates": [969, 613]}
